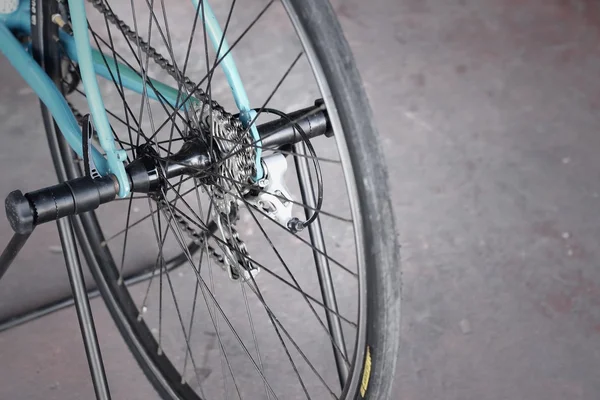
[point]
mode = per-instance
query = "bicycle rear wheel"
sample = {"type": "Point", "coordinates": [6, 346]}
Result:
{"type": "Point", "coordinates": [321, 317]}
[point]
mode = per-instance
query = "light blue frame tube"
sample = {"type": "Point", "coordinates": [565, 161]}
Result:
{"type": "Point", "coordinates": [48, 93]}
{"type": "Point", "coordinates": [106, 67]}
{"type": "Point", "coordinates": [247, 115]}
{"type": "Point", "coordinates": [114, 156]}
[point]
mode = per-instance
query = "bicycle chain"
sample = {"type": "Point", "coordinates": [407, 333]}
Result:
{"type": "Point", "coordinates": [224, 125]}
{"type": "Point", "coordinates": [200, 239]}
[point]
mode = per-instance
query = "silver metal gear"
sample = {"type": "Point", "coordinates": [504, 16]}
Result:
{"type": "Point", "coordinates": [236, 164]}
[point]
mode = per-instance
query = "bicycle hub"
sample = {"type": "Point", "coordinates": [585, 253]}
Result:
{"type": "Point", "coordinates": [148, 173]}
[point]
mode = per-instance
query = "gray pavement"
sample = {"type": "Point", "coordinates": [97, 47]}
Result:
{"type": "Point", "coordinates": [488, 114]}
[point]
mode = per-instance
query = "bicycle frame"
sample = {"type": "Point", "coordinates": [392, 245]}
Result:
{"type": "Point", "coordinates": [93, 62]}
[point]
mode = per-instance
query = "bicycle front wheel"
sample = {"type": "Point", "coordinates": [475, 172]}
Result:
{"type": "Point", "coordinates": [239, 303]}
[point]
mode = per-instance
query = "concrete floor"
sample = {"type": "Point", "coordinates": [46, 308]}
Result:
{"type": "Point", "coordinates": [488, 113]}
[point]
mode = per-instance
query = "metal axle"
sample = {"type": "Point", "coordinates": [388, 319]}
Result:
{"type": "Point", "coordinates": [146, 174]}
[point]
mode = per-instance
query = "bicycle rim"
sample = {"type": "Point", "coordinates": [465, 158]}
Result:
{"type": "Point", "coordinates": [173, 359]}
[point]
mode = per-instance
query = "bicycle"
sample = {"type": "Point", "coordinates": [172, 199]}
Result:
{"type": "Point", "coordinates": [218, 193]}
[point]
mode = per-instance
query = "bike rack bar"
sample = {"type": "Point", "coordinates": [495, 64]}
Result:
{"type": "Point", "coordinates": [84, 312]}
{"type": "Point", "coordinates": [13, 247]}
{"type": "Point", "coordinates": [68, 301]}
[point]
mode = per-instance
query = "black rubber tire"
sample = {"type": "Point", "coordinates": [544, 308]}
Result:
{"type": "Point", "coordinates": [325, 36]}
{"type": "Point", "coordinates": [316, 21]}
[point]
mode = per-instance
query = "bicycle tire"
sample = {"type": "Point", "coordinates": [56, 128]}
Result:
{"type": "Point", "coordinates": [348, 107]}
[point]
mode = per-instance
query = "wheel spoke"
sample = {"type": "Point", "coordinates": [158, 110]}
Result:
{"type": "Point", "coordinates": [278, 323]}
{"type": "Point", "coordinates": [169, 219]}
{"type": "Point", "coordinates": [322, 263]}
{"type": "Point", "coordinates": [218, 62]}
{"type": "Point", "coordinates": [174, 111]}
{"type": "Point", "coordinates": [179, 236]}
{"type": "Point", "coordinates": [289, 271]}
{"type": "Point", "coordinates": [225, 364]}
{"type": "Point", "coordinates": [121, 91]}
{"type": "Point", "coordinates": [145, 217]}
{"type": "Point", "coordinates": [127, 219]}
{"type": "Point", "coordinates": [252, 328]}
{"type": "Point", "coordinates": [220, 242]}
{"type": "Point", "coordinates": [167, 41]}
